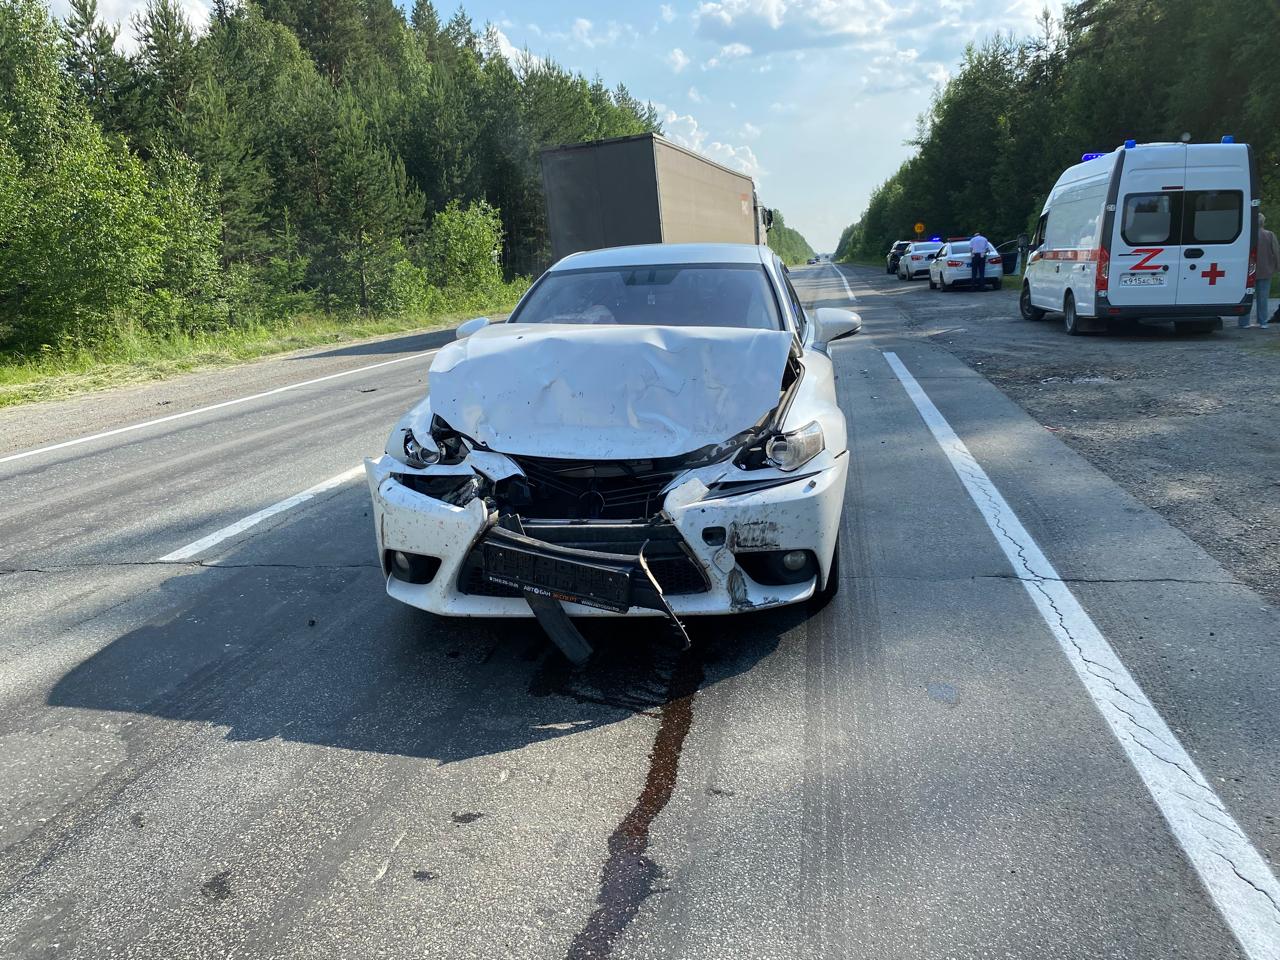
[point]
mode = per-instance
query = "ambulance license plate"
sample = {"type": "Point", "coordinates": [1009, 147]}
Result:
{"type": "Point", "coordinates": [1142, 280]}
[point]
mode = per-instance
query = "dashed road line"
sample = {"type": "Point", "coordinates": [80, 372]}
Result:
{"type": "Point", "coordinates": [204, 543]}
{"type": "Point", "coordinates": [49, 448]}
{"type": "Point", "coordinates": [1235, 874]}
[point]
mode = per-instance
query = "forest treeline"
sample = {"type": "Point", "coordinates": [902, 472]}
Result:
{"type": "Point", "coordinates": [1017, 112]}
{"type": "Point", "coordinates": [287, 156]}
{"type": "Point", "coordinates": [787, 242]}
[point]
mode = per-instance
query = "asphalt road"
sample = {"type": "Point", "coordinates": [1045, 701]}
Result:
{"type": "Point", "coordinates": [255, 753]}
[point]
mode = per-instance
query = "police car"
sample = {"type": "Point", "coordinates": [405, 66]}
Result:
{"type": "Point", "coordinates": [1157, 233]}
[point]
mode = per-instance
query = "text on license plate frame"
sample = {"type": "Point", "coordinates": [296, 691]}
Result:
{"type": "Point", "coordinates": [601, 585]}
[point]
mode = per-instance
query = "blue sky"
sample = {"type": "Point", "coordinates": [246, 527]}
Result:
{"type": "Point", "coordinates": [813, 98]}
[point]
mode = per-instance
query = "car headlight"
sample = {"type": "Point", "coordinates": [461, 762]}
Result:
{"type": "Point", "coordinates": [790, 451]}
{"type": "Point", "coordinates": [417, 454]}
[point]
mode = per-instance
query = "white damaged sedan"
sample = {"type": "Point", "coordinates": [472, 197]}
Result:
{"type": "Point", "coordinates": [654, 431]}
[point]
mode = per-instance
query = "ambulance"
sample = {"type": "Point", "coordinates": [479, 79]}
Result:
{"type": "Point", "coordinates": [1153, 232]}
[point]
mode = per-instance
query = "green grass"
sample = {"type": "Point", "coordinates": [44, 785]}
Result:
{"type": "Point", "coordinates": [133, 357]}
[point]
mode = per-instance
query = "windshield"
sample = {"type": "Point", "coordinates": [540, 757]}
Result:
{"type": "Point", "coordinates": [959, 248]}
{"type": "Point", "coordinates": [673, 295]}
{"type": "Point", "coordinates": [925, 247]}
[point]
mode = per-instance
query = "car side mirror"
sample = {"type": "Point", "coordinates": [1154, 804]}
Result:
{"type": "Point", "coordinates": [835, 324]}
{"type": "Point", "coordinates": [471, 326]}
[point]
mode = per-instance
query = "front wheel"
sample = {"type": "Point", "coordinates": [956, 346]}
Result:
{"type": "Point", "coordinates": [932, 285]}
{"type": "Point", "coordinates": [1070, 319]}
{"type": "Point", "coordinates": [994, 284]}
{"type": "Point", "coordinates": [1026, 308]}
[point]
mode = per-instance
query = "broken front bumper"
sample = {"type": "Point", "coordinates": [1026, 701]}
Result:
{"type": "Point", "coordinates": [700, 578]}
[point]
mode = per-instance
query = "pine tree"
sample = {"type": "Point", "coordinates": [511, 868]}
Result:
{"type": "Point", "coordinates": [217, 137]}
{"type": "Point", "coordinates": [91, 60]}
{"type": "Point", "coordinates": [166, 68]}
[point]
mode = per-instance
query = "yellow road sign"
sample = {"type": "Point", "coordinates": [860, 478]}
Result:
{"type": "Point", "coordinates": [919, 228]}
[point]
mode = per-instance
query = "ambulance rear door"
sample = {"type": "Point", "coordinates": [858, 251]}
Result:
{"type": "Point", "coordinates": [1217, 225]}
{"type": "Point", "coordinates": [1146, 247]}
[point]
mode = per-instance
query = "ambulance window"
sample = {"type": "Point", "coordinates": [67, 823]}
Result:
{"type": "Point", "coordinates": [1148, 218]}
{"type": "Point", "coordinates": [1213, 216]}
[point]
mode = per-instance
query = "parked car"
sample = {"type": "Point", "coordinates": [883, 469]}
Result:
{"type": "Point", "coordinates": [812, 260]}
{"type": "Point", "coordinates": [1157, 233]}
{"type": "Point", "coordinates": [653, 431]}
{"type": "Point", "coordinates": [914, 261]}
{"type": "Point", "coordinates": [895, 254]}
{"type": "Point", "coordinates": [953, 267]}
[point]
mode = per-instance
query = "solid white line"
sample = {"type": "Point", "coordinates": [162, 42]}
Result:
{"type": "Point", "coordinates": [840, 274]}
{"type": "Point", "coordinates": [1230, 867]}
{"type": "Point", "coordinates": [215, 406]}
{"type": "Point", "coordinates": [204, 543]}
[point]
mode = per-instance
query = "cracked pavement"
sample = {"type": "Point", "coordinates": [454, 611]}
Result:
{"type": "Point", "coordinates": [256, 753]}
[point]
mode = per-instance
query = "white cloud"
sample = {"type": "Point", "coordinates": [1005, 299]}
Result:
{"type": "Point", "coordinates": [685, 130]}
{"type": "Point", "coordinates": [677, 60]}
{"type": "Point", "coordinates": [515, 56]}
{"type": "Point", "coordinates": [694, 95]}
{"type": "Point", "coordinates": [773, 25]}
{"type": "Point", "coordinates": [730, 51]}
{"type": "Point", "coordinates": [667, 13]}
{"type": "Point", "coordinates": [584, 33]}
{"type": "Point", "coordinates": [749, 131]}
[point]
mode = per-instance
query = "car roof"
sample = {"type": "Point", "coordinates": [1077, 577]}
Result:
{"type": "Point", "coordinates": [665, 253]}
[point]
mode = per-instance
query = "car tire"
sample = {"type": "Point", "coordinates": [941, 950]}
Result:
{"type": "Point", "coordinates": [995, 284]}
{"type": "Point", "coordinates": [826, 593]}
{"type": "Point", "coordinates": [1025, 306]}
{"type": "Point", "coordinates": [932, 285]}
{"type": "Point", "coordinates": [1070, 319]}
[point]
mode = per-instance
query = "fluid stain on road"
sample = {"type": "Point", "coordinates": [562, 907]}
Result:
{"type": "Point", "coordinates": [629, 876]}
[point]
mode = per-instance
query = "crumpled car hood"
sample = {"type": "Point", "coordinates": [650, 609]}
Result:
{"type": "Point", "coordinates": [611, 393]}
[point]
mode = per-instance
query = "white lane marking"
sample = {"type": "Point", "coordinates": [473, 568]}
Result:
{"type": "Point", "coordinates": [214, 406]}
{"type": "Point", "coordinates": [204, 543]}
{"type": "Point", "coordinates": [840, 274]}
{"type": "Point", "coordinates": [1230, 867]}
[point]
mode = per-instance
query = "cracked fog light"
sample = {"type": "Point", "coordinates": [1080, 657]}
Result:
{"type": "Point", "coordinates": [795, 560]}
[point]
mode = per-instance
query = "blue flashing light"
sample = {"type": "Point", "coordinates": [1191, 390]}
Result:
{"type": "Point", "coordinates": [935, 239]}
{"type": "Point", "coordinates": [1091, 156]}
{"type": "Point", "coordinates": [1130, 144]}
{"type": "Point", "coordinates": [1228, 139]}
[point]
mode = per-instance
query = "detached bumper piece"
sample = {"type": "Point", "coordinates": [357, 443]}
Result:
{"type": "Point", "coordinates": [550, 575]}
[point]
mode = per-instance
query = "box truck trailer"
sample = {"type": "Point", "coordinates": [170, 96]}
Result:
{"type": "Point", "coordinates": [645, 189]}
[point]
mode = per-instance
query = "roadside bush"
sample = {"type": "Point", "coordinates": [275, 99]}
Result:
{"type": "Point", "coordinates": [460, 248]}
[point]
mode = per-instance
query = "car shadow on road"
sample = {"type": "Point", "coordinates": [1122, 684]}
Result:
{"type": "Point", "coordinates": [412, 343]}
{"type": "Point", "coordinates": [320, 656]}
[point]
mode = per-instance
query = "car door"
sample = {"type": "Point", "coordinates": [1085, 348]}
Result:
{"type": "Point", "coordinates": [1146, 246]}
{"type": "Point", "coordinates": [1216, 233]}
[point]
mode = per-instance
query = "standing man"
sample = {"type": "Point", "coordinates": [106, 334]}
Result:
{"type": "Point", "coordinates": [979, 246]}
{"type": "Point", "coordinates": [1268, 267]}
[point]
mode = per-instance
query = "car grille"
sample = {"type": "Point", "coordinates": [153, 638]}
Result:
{"type": "Point", "coordinates": [676, 575]}
{"type": "Point", "coordinates": [593, 490]}
{"type": "Point", "coordinates": [675, 570]}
